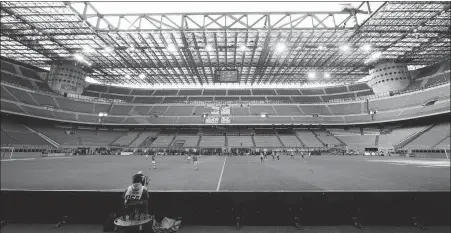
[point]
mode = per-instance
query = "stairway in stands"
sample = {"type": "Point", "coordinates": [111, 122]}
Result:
{"type": "Point", "coordinates": [412, 137]}
{"type": "Point", "coordinates": [49, 140]}
{"type": "Point", "coordinates": [316, 136]}
{"type": "Point", "coordinates": [278, 137]}
{"type": "Point", "coordinates": [297, 136]}
{"type": "Point", "coordinates": [377, 140]}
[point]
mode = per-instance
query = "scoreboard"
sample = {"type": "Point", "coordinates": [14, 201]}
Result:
{"type": "Point", "coordinates": [226, 76]}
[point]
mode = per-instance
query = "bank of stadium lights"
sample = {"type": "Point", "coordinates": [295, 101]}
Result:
{"type": "Point", "coordinates": [209, 47]}
{"type": "Point", "coordinates": [375, 56]}
{"type": "Point", "coordinates": [103, 114]}
{"type": "Point", "coordinates": [344, 48]}
{"type": "Point", "coordinates": [243, 47]}
{"type": "Point", "coordinates": [321, 47]}
{"type": "Point", "coordinates": [127, 76]}
{"type": "Point", "coordinates": [311, 75]}
{"type": "Point", "coordinates": [366, 48]}
{"type": "Point", "coordinates": [142, 76]}
{"type": "Point", "coordinates": [326, 75]}
{"type": "Point", "coordinates": [80, 58]}
{"type": "Point", "coordinates": [88, 49]}
{"type": "Point", "coordinates": [108, 49]}
{"type": "Point", "coordinates": [280, 47]}
{"type": "Point", "coordinates": [171, 48]}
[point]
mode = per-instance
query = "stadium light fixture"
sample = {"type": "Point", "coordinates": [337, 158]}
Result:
{"type": "Point", "coordinates": [209, 47]}
{"type": "Point", "coordinates": [326, 75]}
{"type": "Point", "coordinates": [366, 48]}
{"type": "Point", "coordinates": [243, 47]}
{"type": "Point", "coordinates": [108, 49]}
{"type": "Point", "coordinates": [88, 49]}
{"type": "Point", "coordinates": [102, 114]}
{"type": "Point", "coordinates": [344, 48]}
{"type": "Point", "coordinates": [142, 76]}
{"type": "Point", "coordinates": [79, 57]}
{"type": "Point", "coordinates": [376, 55]}
{"type": "Point", "coordinates": [127, 76]}
{"type": "Point", "coordinates": [321, 47]}
{"type": "Point", "coordinates": [311, 75]}
{"type": "Point", "coordinates": [280, 47]}
{"type": "Point", "coordinates": [171, 48]}
{"type": "Point", "coordinates": [131, 48]}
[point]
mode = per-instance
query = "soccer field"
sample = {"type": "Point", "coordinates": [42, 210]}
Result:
{"type": "Point", "coordinates": [218, 173]}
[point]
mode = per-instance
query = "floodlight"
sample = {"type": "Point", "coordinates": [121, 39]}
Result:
{"type": "Point", "coordinates": [171, 48]}
{"type": "Point", "coordinates": [78, 57]}
{"type": "Point", "coordinates": [311, 75]}
{"type": "Point", "coordinates": [108, 49]}
{"type": "Point", "coordinates": [326, 75]}
{"type": "Point", "coordinates": [127, 76]}
{"type": "Point", "coordinates": [366, 48]}
{"type": "Point", "coordinates": [280, 47]}
{"type": "Point", "coordinates": [243, 47]}
{"type": "Point", "coordinates": [344, 48]}
{"type": "Point", "coordinates": [321, 47]}
{"type": "Point", "coordinates": [142, 76]}
{"type": "Point", "coordinates": [376, 55]}
{"type": "Point", "coordinates": [88, 49]}
{"type": "Point", "coordinates": [209, 47]}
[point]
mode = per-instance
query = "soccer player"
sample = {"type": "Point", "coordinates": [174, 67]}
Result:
{"type": "Point", "coordinates": [147, 155]}
{"type": "Point", "coordinates": [309, 155]}
{"type": "Point", "coordinates": [195, 162]}
{"type": "Point", "coordinates": [273, 153]}
{"type": "Point", "coordinates": [261, 157]}
{"type": "Point", "coordinates": [189, 159]}
{"type": "Point", "coordinates": [292, 155]}
{"type": "Point", "coordinates": [153, 163]}
{"type": "Point", "coordinates": [278, 155]}
{"type": "Point", "coordinates": [302, 154]}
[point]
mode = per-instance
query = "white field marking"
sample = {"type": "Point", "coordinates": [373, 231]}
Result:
{"type": "Point", "coordinates": [220, 177]}
{"type": "Point", "coordinates": [8, 160]}
{"type": "Point", "coordinates": [435, 163]}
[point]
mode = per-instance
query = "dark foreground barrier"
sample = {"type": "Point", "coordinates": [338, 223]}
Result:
{"type": "Point", "coordinates": [221, 208]}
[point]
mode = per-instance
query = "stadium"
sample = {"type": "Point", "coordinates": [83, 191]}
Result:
{"type": "Point", "coordinates": [328, 117]}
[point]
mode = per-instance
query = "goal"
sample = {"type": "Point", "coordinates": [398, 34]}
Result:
{"type": "Point", "coordinates": [7, 152]}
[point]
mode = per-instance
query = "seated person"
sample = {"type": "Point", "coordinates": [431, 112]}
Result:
{"type": "Point", "coordinates": [136, 194]}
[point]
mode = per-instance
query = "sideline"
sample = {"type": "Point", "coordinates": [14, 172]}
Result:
{"type": "Point", "coordinates": [220, 177]}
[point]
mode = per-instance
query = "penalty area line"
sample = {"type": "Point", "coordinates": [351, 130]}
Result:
{"type": "Point", "coordinates": [220, 177]}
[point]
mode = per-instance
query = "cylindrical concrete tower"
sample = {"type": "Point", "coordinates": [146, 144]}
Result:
{"type": "Point", "coordinates": [67, 77]}
{"type": "Point", "coordinates": [389, 76]}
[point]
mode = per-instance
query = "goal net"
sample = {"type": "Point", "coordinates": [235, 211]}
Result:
{"type": "Point", "coordinates": [7, 152]}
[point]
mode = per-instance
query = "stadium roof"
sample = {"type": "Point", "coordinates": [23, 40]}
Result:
{"type": "Point", "coordinates": [130, 47]}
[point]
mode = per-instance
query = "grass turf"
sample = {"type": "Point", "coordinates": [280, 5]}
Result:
{"type": "Point", "coordinates": [244, 173]}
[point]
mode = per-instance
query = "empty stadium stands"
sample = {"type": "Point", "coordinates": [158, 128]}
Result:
{"type": "Point", "coordinates": [389, 140]}
{"type": "Point", "coordinates": [212, 141]}
{"type": "Point", "coordinates": [430, 138]}
{"type": "Point", "coordinates": [126, 139]}
{"type": "Point", "coordinates": [308, 138]}
{"type": "Point", "coordinates": [267, 141]}
{"type": "Point", "coordinates": [240, 141]}
{"type": "Point", "coordinates": [16, 134]}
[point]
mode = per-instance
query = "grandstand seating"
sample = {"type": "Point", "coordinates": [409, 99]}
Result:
{"type": "Point", "coordinates": [190, 141]}
{"type": "Point", "coordinates": [387, 141]}
{"type": "Point", "coordinates": [290, 141]}
{"type": "Point", "coordinates": [315, 109]}
{"type": "Point", "coordinates": [346, 109]}
{"type": "Point", "coordinates": [16, 134]}
{"type": "Point", "coordinates": [287, 110]}
{"type": "Point", "coordinates": [444, 144]}
{"type": "Point", "coordinates": [358, 142]}
{"type": "Point", "coordinates": [430, 138]}
{"type": "Point", "coordinates": [239, 141]}
{"type": "Point", "coordinates": [308, 138]}
{"type": "Point", "coordinates": [162, 141]}
{"type": "Point", "coordinates": [267, 141]}
{"type": "Point", "coordinates": [327, 138]}
{"type": "Point", "coordinates": [126, 139]}
{"type": "Point", "coordinates": [212, 141]}
{"type": "Point", "coordinates": [143, 137]}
